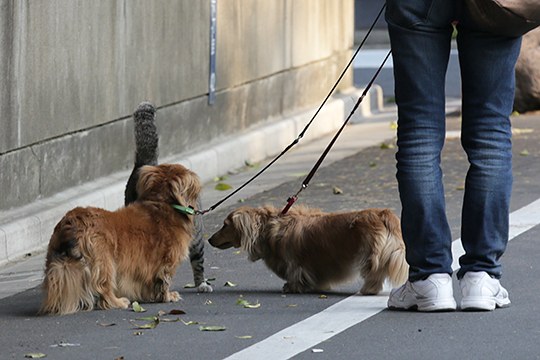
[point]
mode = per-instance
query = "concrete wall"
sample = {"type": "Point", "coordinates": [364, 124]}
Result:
{"type": "Point", "coordinates": [72, 72]}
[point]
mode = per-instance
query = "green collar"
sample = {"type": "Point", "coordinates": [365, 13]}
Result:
{"type": "Point", "coordinates": [187, 210]}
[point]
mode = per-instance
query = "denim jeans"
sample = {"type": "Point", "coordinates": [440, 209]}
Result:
{"type": "Point", "coordinates": [420, 34]}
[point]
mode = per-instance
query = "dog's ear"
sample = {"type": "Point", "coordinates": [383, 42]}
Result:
{"type": "Point", "coordinates": [249, 225]}
{"type": "Point", "coordinates": [187, 188]}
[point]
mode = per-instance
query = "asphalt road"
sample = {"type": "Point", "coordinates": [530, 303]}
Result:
{"type": "Point", "coordinates": [333, 325]}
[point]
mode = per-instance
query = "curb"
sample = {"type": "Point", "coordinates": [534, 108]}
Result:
{"type": "Point", "coordinates": [27, 229]}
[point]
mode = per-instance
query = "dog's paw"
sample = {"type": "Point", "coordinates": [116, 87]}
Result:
{"type": "Point", "coordinates": [290, 289]}
{"type": "Point", "coordinates": [205, 287]}
{"type": "Point", "coordinates": [123, 303]}
{"type": "Point", "coordinates": [173, 296]}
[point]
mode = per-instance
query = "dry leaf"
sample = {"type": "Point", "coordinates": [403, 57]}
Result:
{"type": "Point", "coordinates": [337, 191]}
{"type": "Point", "coordinates": [212, 328]}
{"type": "Point", "coordinates": [35, 355]}
{"type": "Point", "coordinates": [177, 312]}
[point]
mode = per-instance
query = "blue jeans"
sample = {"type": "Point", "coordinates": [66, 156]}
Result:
{"type": "Point", "coordinates": [420, 34]}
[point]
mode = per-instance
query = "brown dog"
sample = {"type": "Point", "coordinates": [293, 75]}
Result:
{"type": "Point", "coordinates": [312, 250]}
{"type": "Point", "coordinates": [129, 254]}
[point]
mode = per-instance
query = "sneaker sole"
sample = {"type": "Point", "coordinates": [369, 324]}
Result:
{"type": "Point", "coordinates": [483, 304]}
{"type": "Point", "coordinates": [428, 306]}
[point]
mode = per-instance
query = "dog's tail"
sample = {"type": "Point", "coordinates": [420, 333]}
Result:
{"type": "Point", "coordinates": [393, 253]}
{"type": "Point", "coordinates": [146, 146]}
{"type": "Point", "coordinates": [67, 278]}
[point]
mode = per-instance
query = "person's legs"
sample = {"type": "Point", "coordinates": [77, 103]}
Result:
{"type": "Point", "coordinates": [420, 33]}
{"type": "Point", "coordinates": [487, 71]}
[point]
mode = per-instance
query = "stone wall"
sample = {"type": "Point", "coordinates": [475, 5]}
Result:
{"type": "Point", "coordinates": [72, 72]}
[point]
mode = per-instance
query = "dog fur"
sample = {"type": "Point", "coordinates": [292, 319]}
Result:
{"type": "Point", "coordinates": [112, 258]}
{"type": "Point", "coordinates": [313, 250]}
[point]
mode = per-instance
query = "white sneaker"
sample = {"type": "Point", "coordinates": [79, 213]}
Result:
{"type": "Point", "coordinates": [482, 292]}
{"type": "Point", "coordinates": [433, 294]}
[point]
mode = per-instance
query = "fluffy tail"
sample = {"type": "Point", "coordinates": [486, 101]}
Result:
{"type": "Point", "coordinates": [66, 277]}
{"type": "Point", "coordinates": [146, 146]}
{"type": "Point", "coordinates": [394, 250]}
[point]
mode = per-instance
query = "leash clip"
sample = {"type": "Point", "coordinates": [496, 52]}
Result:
{"type": "Point", "coordinates": [290, 202]}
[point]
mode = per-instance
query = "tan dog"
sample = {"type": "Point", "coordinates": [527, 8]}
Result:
{"type": "Point", "coordinates": [313, 250]}
{"type": "Point", "coordinates": [126, 255]}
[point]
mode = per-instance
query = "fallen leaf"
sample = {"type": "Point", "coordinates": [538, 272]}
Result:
{"type": "Point", "coordinates": [337, 191]}
{"type": "Point", "coordinates": [387, 146]}
{"type": "Point", "coordinates": [222, 187]}
{"type": "Point", "coordinates": [161, 313]}
{"type": "Point", "coordinates": [177, 312]}
{"type": "Point", "coordinates": [212, 328]}
{"type": "Point", "coordinates": [246, 304]}
{"type": "Point", "coordinates": [137, 307]}
{"type": "Point", "coordinates": [244, 337]}
{"type": "Point", "coordinates": [190, 322]}
{"type": "Point", "coordinates": [317, 350]}
{"type": "Point", "coordinates": [323, 296]}
{"type": "Point", "coordinates": [170, 320]}
{"type": "Point", "coordinates": [237, 252]}
{"type": "Point", "coordinates": [64, 344]}
{"type": "Point", "coordinates": [147, 318]}
{"type": "Point", "coordinates": [220, 178]}
{"type": "Point", "coordinates": [189, 286]}
{"type": "Point", "coordinates": [35, 355]}
{"type": "Point", "coordinates": [230, 284]}
{"type": "Point", "coordinates": [372, 164]}
{"type": "Point", "coordinates": [208, 302]}
{"type": "Point", "coordinates": [460, 187]}
{"type": "Point", "coordinates": [105, 324]}
{"type": "Point", "coordinates": [524, 153]}
{"type": "Point", "coordinates": [393, 125]}
{"type": "Point", "coordinates": [137, 333]}
{"type": "Point", "coordinates": [292, 305]}
{"type": "Point", "coordinates": [150, 325]}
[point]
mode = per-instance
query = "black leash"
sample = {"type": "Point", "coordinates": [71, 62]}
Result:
{"type": "Point", "coordinates": [301, 135]}
{"type": "Point", "coordinates": [291, 200]}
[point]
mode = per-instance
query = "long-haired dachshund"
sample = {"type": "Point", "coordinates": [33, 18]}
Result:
{"type": "Point", "coordinates": [313, 250]}
{"type": "Point", "coordinates": [104, 258]}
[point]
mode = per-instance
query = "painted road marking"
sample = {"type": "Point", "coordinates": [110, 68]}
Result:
{"type": "Point", "coordinates": [355, 309]}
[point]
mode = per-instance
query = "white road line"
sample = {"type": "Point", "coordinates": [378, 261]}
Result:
{"type": "Point", "coordinates": [354, 309]}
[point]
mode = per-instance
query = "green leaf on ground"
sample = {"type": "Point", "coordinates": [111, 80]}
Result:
{"type": "Point", "coordinates": [247, 304]}
{"type": "Point", "coordinates": [524, 153]}
{"type": "Point", "coordinates": [387, 146]}
{"type": "Point", "coordinates": [147, 326]}
{"type": "Point", "coordinates": [212, 328]}
{"type": "Point", "coordinates": [222, 186]}
{"type": "Point", "coordinates": [137, 307]}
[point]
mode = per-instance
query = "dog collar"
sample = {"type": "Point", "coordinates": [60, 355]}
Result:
{"type": "Point", "coordinates": [187, 210]}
